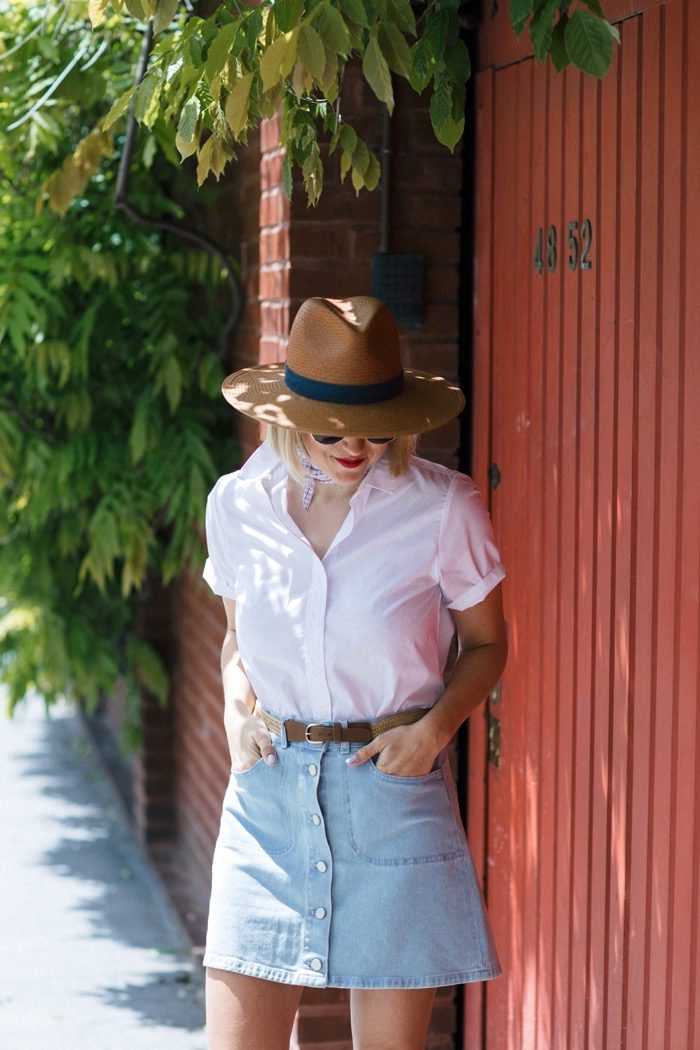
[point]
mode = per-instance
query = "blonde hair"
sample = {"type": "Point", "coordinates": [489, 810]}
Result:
{"type": "Point", "coordinates": [283, 443]}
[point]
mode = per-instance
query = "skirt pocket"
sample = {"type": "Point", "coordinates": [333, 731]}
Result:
{"type": "Point", "coordinates": [255, 813]}
{"type": "Point", "coordinates": [401, 820]}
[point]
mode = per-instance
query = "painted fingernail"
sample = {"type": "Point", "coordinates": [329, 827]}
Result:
{"type": "Point", "coordinates": [271, 759]}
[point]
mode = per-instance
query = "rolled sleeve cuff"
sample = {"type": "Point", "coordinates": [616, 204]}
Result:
{"type": "Point", "coordinates": [478, 591]}
{"type": "Point", "coordinates": [218, 583]}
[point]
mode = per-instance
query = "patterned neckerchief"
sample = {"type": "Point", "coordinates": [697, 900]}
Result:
{"type": "Point", "coordinates": [313, 474]}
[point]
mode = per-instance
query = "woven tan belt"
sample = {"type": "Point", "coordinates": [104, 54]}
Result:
{"type": "Point", "coordinates": [336, 732]}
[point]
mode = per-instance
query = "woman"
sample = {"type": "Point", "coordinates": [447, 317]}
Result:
{"type": "Point", "coordinates": [346, 566]}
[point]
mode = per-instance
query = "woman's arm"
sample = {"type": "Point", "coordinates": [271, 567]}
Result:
{"type": "Point", "coordinates": [247, 735]}
{"type": "Point", "coordinates": [410, 751]}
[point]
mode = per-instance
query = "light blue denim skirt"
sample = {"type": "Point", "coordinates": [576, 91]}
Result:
{"type": "Point", "coordinates": [339, 876]}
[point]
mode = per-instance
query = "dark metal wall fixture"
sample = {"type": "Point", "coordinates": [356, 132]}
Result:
{"type": "Point", "coordinates": [197, 237]}
{"type": "Point", "coordinates": [397, 279]}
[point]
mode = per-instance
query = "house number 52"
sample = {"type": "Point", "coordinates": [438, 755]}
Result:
{"type": "Point", "coordinates": [578, 247]}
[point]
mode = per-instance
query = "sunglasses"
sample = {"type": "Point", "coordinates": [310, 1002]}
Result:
{"type": "Point", "coordinates": [328, 439]}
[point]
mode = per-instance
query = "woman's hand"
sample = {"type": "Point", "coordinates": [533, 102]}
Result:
{"type": "Point", "coordinates": [248, 742]}
{"type": "Point", "coordinates": [405, 751]}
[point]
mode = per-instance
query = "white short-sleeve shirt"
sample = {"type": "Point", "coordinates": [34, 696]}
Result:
{"type": "Point", "coordinates": [365, 631]}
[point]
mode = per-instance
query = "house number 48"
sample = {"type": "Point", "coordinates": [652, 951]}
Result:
{"type": "Point", "coordinates": [578, 247]}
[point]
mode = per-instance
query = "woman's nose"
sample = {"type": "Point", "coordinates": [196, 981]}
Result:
{"type": "Point", "coordinates": [354, 445]}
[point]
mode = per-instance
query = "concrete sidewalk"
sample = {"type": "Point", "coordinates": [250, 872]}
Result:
{"type": "Point", "coordinates": [91, 955]}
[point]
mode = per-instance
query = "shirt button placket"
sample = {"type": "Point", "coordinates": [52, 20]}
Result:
{"type": "Point", "coordinates": [314, 626]}
{"type": "Point", "coordinates": [319, 873]}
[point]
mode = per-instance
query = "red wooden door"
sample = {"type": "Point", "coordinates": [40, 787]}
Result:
{"type": "Point", "coordinates": [587, 337]}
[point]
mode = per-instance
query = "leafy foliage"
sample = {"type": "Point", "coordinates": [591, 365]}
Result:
{"type": "Point", "coordinates": [112, 426]}
{"type": "Point", "coordinates": [213, 78]}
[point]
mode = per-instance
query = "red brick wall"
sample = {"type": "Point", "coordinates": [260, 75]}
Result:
{"type": "Point", "coordinates": [201, 762]}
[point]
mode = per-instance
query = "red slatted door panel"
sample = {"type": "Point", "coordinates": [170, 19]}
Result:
{"type": "Point", "coordinates": [685, 1024]}
{"type": "Point", "coordinates": [588, 382]}
{"type": "Point", "coordinates": [476, 786]}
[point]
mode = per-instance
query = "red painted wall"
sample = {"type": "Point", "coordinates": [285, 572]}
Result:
{"type": "Point", "coordinates": [587, 389]}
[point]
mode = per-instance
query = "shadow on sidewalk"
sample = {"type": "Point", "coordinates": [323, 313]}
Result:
{"type": "Point", "coordinates": [117, 919]}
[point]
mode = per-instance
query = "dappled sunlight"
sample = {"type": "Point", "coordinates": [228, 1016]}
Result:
{"type": "Point", "coordinates": [347, 309]}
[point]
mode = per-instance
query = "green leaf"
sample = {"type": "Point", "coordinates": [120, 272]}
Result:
{"type": "Point", "coordinates": [186, 149]}
{"type": "Point", "coordinates": [287, 181]}
{"type": "Point", "coordinates": [135, 557]}
{"type": "Point", "coordinates": [355, 11]}
{"type": "Point", "coordinates": [236, 108]}
{"type": "Point", "coordinates": [520, 11]}
{"type": "Point", "coordinates": [138, 438]}
{"type": "Point", "coordinates": [559, 54]}
{"type": "Point", "coordinates": [541, 28]}
{"type": "Point", "coordinates": [212, 157]}
{"type": "Point", "coordinates": [377, 75]}
{"type": "Point", "coordinates": [220, 49]}
{"type": "Point", "coordinates": [189, 116]}
{"type": "Point", "coordinates": [589, 41]}
{"type": "Point", "coordinates": [288, 13]}
{"type": "Point", "coordinates": [165, 12]}
{"type": "Point", "coordinates": [360, 157]}
{"type": "Point", "coordinates": [436, 30]}
{"type": "Point", "coordinates": [348, 138]}
{"type": "Point", "coordinates": [118, 109]}
{"type": "Point", "coordinates": [140, 9]}
{"type": "Point", "coordinates": [312, 170]}
{"type": "Point", "coordinates": [594, 6]}
{"type": "Point", "coordinates": [457, 61]}
{"type": "Point", "coordinates": [333, 30]}
{"type": "Point", "coordinates": [395, 48]}
{"type": "Point", "coordinates": [146, 99]}
{"type": "Point", "coordinates": [170, 378]}
{"type": "Point", "coordinates": [345, 164]}
{"type": "Point", "coordinates": [279, 58]}
{"type": "Point", "coordinates": [450, 132]}
{"type": "Point", "coordinates": [312, 52]}
{"type": "Point", "coordinates": [96, 11]}
{"type": "Point", "coordinates": [403, 16]}
{"type": "Point", "coordinates": [421, 66]}
{"type": "Point", "coordinates": [147, 667]}
{"type": "Point", "coordinates": [373, 173]}
{"type": "Point", "coordinates": [357, 179]}
{"type": "Point", "coordinates": [440, 103]}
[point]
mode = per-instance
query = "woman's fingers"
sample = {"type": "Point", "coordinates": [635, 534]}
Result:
{"type": "Point", "coordinates": [265, 745]}
{"type": "Point", "coordinates": [364, 754]}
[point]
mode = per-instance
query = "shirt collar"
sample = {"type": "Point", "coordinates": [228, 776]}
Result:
{"type": "Point", "coordinates": [260, 465]}
{"type": "Point", "coordinates": [380, 477]}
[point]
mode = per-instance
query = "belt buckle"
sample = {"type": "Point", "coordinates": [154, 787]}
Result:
{"type": "Point", "coordinates": [334, 731]}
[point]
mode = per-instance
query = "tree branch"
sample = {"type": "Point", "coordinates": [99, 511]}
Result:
{"type": "Point", "coordinates": [197, 237]}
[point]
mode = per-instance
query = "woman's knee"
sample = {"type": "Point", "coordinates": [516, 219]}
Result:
{"type": "Point", "coordinates": [243, 1012]}
{"type": "Point", "coordinates": [391, 1019]}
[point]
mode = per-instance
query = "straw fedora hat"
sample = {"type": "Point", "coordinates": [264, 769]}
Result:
{"type": "Point", "coordinates": [343, 376]}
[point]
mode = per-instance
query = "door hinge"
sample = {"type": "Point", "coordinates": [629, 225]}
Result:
{"type": "Point", "coordinates": [493, 734]}
{"type": "Point", "coordinates": [494, 476]}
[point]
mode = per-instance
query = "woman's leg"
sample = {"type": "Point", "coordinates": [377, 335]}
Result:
{"type": "Point", "coordinates": [390, 1018]}
{"type": "Point", "coordinates": [246, 1012]}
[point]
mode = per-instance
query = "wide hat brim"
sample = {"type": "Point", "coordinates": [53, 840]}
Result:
{"type": "Point", "coordinates": [426, 402]}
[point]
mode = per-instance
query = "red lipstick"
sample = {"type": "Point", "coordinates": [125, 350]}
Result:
{"type": "Point", "coordinates": [349, 462]}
